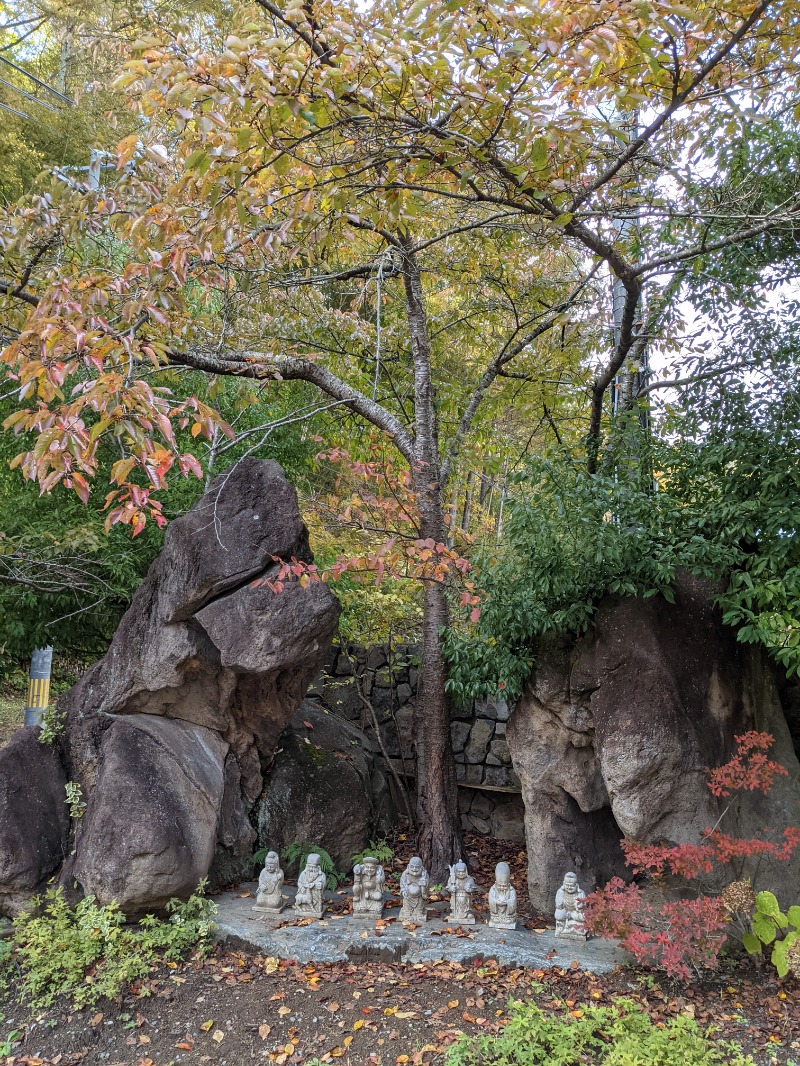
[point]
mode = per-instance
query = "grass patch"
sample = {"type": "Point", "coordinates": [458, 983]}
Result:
{"type": "Point", "coordinates": [12, 711]}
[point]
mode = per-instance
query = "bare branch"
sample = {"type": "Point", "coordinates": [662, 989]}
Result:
{"type": "Point", "coordinates": [291, 368]}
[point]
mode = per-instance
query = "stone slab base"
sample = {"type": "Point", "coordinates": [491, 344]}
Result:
{"type": "Point", "coordinates": [341, 939]}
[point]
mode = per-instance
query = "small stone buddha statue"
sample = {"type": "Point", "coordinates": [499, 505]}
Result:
{"type": "Point", "coordinates": [570, 922]}
{"type": "Point", "coordinates": [368, 880]}
{"type": "Point", "coordinates": [269, 900]}
{"type": "Point", "coordinates": [502, 899]}
{"type": "Point", "coordinates": [414, 890]}
{"type": "Point", "coordinates": [460, 886]}
{"type": "Point", "coordinates": [309, 901]}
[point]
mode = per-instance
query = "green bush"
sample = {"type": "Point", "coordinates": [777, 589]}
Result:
{"type": "Point", "coordinates": [619, 1035]}
{"type": "Point", "coordinates": [90, 951]}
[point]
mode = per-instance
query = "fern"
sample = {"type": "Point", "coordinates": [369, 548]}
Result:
{"type": "Point", "coordinates": [379, 850]}
{"type": "Point", "coordinates": [298, 852]}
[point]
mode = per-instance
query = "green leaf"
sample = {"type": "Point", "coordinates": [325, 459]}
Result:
{"type": "Point", "coordinates": [767, 903]}
{"type": "Point", "coordinates": [764, 928]}
{"type": "Point", "coordinates": [793, 914]}
{"type": "Point", "coordinates": [751, 944]}
{"type": "Point", "coordinates": [198, 161]}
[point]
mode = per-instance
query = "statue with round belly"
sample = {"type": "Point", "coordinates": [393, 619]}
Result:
{"type": "Point", "coordinates": [414, 890]}
{"type": "Point", "coordinates": [570, 923]}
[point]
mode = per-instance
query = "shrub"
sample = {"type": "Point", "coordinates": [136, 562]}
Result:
{"type": "Point", "coordinates": [768, 923]}
{"type": "Point", "coordinates": [618, 1035]}
{"type": "Point", "coordinates": [681, 933]}
{"type": "Point", "coordinates": [90, 952]}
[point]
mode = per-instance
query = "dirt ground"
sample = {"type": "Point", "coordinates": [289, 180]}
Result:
{"type": "Point", "coordinates": [236, 1008]}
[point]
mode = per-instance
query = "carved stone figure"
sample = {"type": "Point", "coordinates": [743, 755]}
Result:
{"type": "Point", "coordinates": [502, 899]}
{"type": "Point", "coordinates": [460, 886]}
{"type": "Point", "coordinates": [309, 900]}
{"type": "Point", "coordinates": [368, 888]}
{"type": "Point", "coordinates": [414, 890]}
{"type": "Point", "coordinates": [570, 922]}
{"type": "Point", "coordinates": [269, 899]}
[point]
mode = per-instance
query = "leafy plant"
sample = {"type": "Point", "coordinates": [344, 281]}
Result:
{"type": "Point", "coordinates": [768, 922]}
{"type": "Point", "coordinates": [53, 724]}
{"type": "Point", "coordinates": [75, 801]}
{"type": "Point", "coordinates": [617, 1035]}
{"type": "Point", "coordinates": [297, 853]}
{"type": "Point", "coordinates": [7, 1045]}
{"type": "Point", "coordinates": [379, 850]}
{"type": "Point", "coordinates": [90, 952]}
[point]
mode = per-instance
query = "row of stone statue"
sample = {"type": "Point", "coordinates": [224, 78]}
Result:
{"type": "Point", "coordinates": [368, 882]}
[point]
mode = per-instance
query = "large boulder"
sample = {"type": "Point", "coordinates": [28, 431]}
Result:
{"type": "Point", "coordinates": [170, 735]}
{"type": "Point", "coordinates": [34, 822]}
{"type": "Point", "coordinates": [323, 788]}
{"type": "Point", "coordinates": [150, 827]}
{"type": "Point", "coordinates": [615, 731]}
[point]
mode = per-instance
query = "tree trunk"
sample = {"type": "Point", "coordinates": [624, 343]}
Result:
{"type": "Point", "coordinates": [437, 790]}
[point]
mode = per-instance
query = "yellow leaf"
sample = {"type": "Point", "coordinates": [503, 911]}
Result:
{"type": "Point", "coordinates": [207, 1026]}
{"type": "Point", "coordinates": [348, 1040]}
{"type": "Point", "coordinates": [359, 1024]}
{"type": "Point", "coordinates": [218, 1036]}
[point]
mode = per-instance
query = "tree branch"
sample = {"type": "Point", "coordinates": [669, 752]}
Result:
{"type": "Point", "coordinates": [677, 101]}
{"type": "Point", "coordinates": [291, 368]}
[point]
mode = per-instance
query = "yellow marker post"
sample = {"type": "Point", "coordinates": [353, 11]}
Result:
{"type": "Point", "coordinates": [38, 685]}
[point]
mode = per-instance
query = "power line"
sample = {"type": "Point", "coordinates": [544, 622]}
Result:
{"type": "Point", "coordinates": [13, 110]}
{"type": "Point", "coordinates": [28, 96]}
{"type": "Point", "coordinates": [38, 81]}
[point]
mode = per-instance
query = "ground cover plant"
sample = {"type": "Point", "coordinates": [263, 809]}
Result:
{"type": "Point", "coordinates": [621, 1034]}
{"type": "Point", "coordinates": [90, 952]}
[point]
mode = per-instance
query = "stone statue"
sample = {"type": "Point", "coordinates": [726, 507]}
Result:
{"type": "Point", "coordinates": [460, 886]}
{"type": "Point", "coordinates": [414, 890]}
{"type": "Point", "coordinates": [569, 909]}
{"type": "Point", "coordinates": [368, 888]}
{"type": "Point", "coordinates": [502, 899]}
{"type": "Point", "coordinates": [310, 889]}
{"type": "Point", "coordinates": [269, 900]}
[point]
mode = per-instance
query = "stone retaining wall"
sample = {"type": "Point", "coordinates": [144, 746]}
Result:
{"type": "Point", "coordinates": [357, 681]}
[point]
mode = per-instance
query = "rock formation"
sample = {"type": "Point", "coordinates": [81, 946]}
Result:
{"type": "Point", "coordinates": [324, 789]}
{"type": "Point", "coordinates": [170, 734]}
{"type": "Point", "coordinates": [615, 731]}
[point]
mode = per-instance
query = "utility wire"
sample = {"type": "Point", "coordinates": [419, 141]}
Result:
{"type": "Point", "coordinates": [13, 110]}
{"type": "Point", "coordinates": [39, 82]}
{"type": "Point", "coordinates": [28, 96]}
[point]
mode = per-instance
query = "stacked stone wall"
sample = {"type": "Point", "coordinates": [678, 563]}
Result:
{"type": "Point", "coordinates": [358, 682]}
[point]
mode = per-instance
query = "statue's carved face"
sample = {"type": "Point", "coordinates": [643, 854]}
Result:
{"type": "Point", "coordinates": [313, 861]}
{"type": "Point", "coordinates": [571, 883]}
{"type": "Point", "coordinates": [461, 870]}
{"type": "Point", "coordinates": [502, 874]}
{"type": "Point", "coordinates": [415, 866]}
{"type": "Point", "coordinates": [271, 861]}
